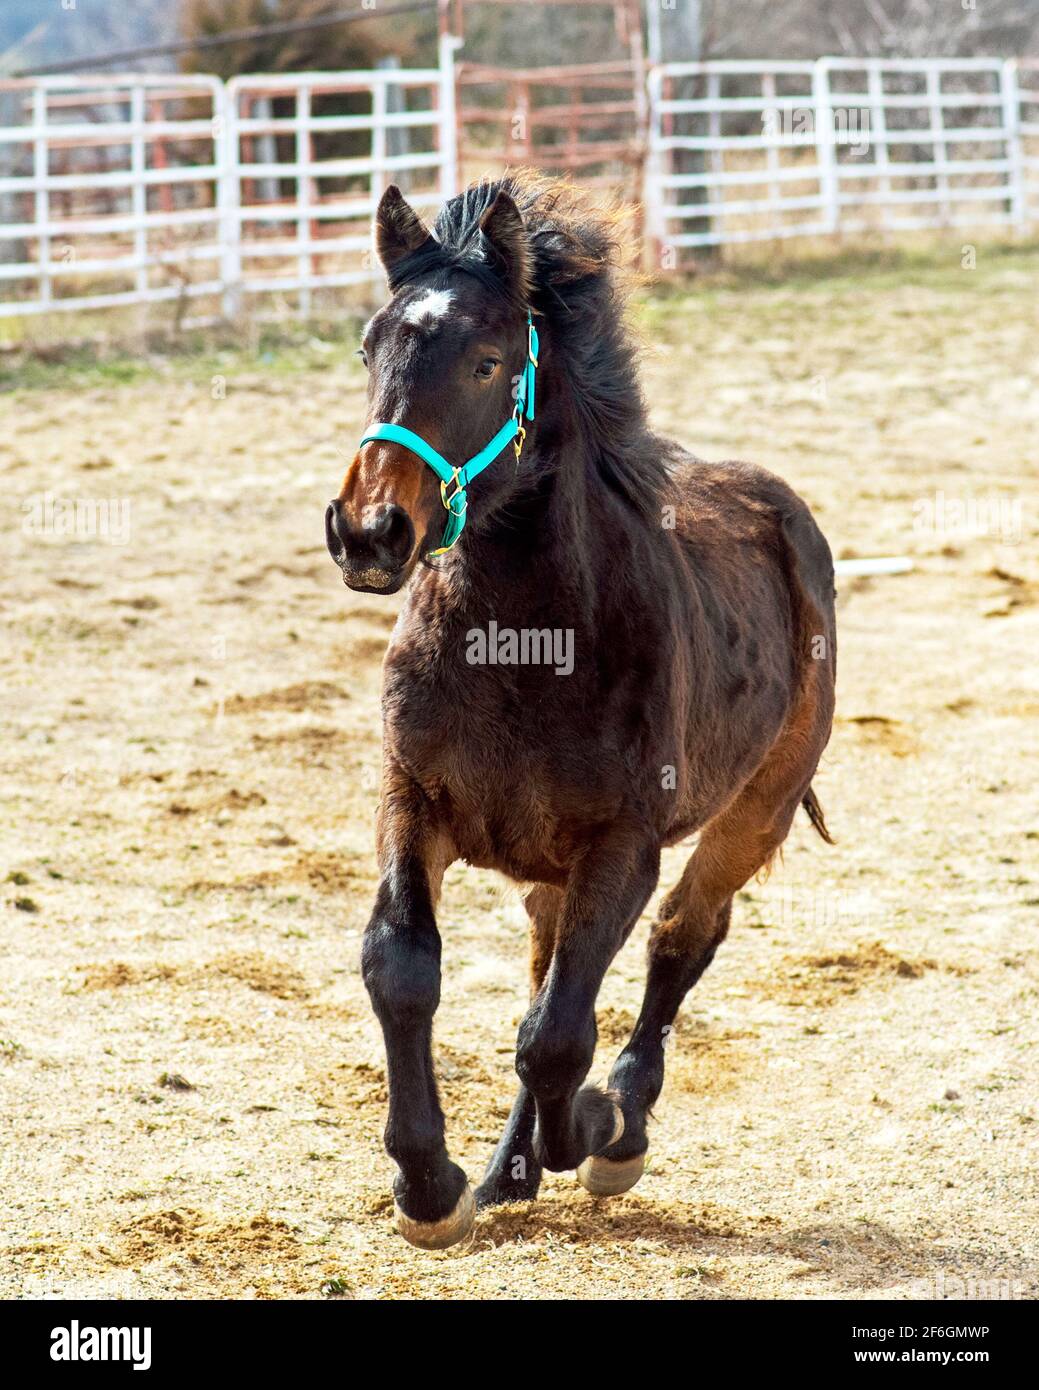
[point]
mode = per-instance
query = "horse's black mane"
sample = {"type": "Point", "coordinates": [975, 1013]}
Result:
{"type": "Point", "coordinates": [578, 285]}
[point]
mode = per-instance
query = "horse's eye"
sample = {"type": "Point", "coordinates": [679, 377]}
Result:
{"type": "Point", "coordinates": [362, 355]}
{"type": "Point", "coordinates": [487, 368]}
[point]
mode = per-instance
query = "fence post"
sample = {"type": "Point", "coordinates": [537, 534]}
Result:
{"type": "Point", "coordinates": [822, 101]}
{"type": "Point", "coordinates": [1011, 95]}
{"type": "Point", "coordinates": [42, 196]}
{"type": "Point", "coordinates": [714, 160]}
{"type": "Point", "coordinates": [653, 220]}
{"type": "Point", "coordinates": [937, 127]}
{"type": "Point", "coordinates": [388, 99]}
{"type": "Point", "coordinates": [304, 261]}
{"type": "Point", "coordinates": [139, 192]}
{"type": "Point", "coordinates": [768, 98]}
{"type": "Point", "coordinates": [378, 178]}
{"type": "Point", "coordinates": [448, 129]}
{"type": "Point", "coordinates": [229, 224]}
{"type": "Point", "coordinates": [878, 125]}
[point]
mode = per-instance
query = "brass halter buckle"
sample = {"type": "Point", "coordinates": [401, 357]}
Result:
{"type": "Point", "coordinates": [517, 443]}
{"type": "Point", "coordinates": [458, 488]}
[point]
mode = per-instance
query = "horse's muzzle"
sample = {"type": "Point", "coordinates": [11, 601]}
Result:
{"type": "Point", "coordinates": [373, 556]}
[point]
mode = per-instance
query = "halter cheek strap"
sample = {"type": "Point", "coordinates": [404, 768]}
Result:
{"type": "Point", "coordinates": [512, 432]}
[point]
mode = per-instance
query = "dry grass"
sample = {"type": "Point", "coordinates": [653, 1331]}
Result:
{"type": "Point", "coordinates": [191, 740]}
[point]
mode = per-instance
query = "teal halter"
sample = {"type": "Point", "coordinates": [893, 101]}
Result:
{"type": "Point", "coordinates": [512, 432]}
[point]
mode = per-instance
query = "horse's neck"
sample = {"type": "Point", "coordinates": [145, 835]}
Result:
{"type": "Point", "coordinates": [541, 547]}
{"type": "Point", "coordinates": [546, 547]}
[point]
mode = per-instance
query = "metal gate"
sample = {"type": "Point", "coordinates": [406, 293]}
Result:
{"type": "Point", "coordinates": [308, 157]}
{"type": "Point", "coordinates": [144, 189]}
{"type": "Point", "coordinates": [109, 191]}
{"type": "Point", "coordinates": [747, 151]}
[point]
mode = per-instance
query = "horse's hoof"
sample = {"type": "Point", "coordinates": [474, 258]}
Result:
{"type": "Point", "coordinates": [438, 1235]}
{"type": "Point", "coordinates": [609, 1177]}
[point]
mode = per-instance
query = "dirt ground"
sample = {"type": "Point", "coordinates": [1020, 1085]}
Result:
{"type": "Point", "coordinates": [192, 1081]}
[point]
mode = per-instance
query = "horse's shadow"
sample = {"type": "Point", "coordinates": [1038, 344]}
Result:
{"type": "Point", "coordinates": [859, 1257]}
{"type": "Point", "coordinates": [582, 1218]}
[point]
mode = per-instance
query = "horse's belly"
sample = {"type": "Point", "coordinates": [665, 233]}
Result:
{"type": "Point", "coordinates": [529, 831]}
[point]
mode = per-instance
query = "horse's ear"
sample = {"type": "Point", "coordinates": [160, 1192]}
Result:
{"type": "Point", "coordinates": [502, 225]}
{"type": "Point", "coordinates": [398, 228]}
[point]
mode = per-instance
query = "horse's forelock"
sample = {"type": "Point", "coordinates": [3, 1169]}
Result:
{"type": "Point", "coordinates": [438, 258]}
{"type": "Point", "coordinates": [571, 239]}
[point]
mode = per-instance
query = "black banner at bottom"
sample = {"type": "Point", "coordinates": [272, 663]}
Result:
{"type": "Point", "coordinates": [161, 1340]}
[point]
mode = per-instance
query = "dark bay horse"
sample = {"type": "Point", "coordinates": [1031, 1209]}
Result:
{"type": "Point", "coordinates": [696, 603]}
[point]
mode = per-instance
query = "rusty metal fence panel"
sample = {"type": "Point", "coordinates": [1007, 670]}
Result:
{"type": "Point", "coordinates": [581, 119]}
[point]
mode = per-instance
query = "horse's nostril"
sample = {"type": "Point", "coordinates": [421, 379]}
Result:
{"type": "Point", "coordinates": [333, 539]}
{"type": "Point", "coordinates": [392, 536]}
{"type": "Point", "coordinates": [384, 544]}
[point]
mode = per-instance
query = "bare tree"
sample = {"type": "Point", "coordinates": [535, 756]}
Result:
{"type": "Point", "coordinates": [869, 28]}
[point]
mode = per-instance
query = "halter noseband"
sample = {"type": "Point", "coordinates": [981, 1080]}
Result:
{"type": "Point", "coordinates": [512, 432]}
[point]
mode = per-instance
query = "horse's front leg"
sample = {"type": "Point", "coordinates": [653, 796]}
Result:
{"type": "Point", "coordinates": [400, 962]}
{"type": "Point", "coordinates": [514, 1173]}
{"type": "Point", "coordinates": [604, 896]}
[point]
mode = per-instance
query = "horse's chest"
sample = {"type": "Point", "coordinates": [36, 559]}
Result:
{"type": "Point", "coordinates": [515, 794]}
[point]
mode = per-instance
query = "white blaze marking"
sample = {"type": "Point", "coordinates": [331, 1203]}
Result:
{"type": "Point", "coordinates": [433, 305]}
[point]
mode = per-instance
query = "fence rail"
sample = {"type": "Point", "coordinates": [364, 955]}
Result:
{"type": "Point", "coordinates": [140, 189]}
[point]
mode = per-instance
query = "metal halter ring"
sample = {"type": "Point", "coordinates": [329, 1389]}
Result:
{"type": "Point", "coordinates": [459, 489]}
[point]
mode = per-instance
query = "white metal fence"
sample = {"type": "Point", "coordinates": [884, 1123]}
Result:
{"type": "Point", "coordinates": [142, 189]}
{"type": "Point", "coordinates": [109, 190]}
{"type": "Point", "coordinates": [147, 189]}
{"type": "Point", "coordinates": [748, 151]}
{"type": "Point", "coordinates": [306, 169]}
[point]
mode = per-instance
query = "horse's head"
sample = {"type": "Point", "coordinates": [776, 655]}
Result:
{"type": "Point", "coordinates": [444, 359]}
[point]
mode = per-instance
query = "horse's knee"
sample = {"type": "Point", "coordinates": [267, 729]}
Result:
{"type": "Point", "coordinates": [553, 1054]}
{"type": "Point", "coordinates": [400, 966]}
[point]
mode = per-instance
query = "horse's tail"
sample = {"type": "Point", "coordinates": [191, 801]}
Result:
{"type": "Point", "coordinates": [815, 814]}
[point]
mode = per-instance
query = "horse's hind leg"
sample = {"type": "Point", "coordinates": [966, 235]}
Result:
{"type": "Point", "coordinates": [605, 893]}
{"type": "Point", "coordinates": [514, 1173]}
{"type": "Point", "coordinates": [691, 924]}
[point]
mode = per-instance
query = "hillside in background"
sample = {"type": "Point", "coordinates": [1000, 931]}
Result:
{"type": "Point", "coordinates": [33, 33]}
